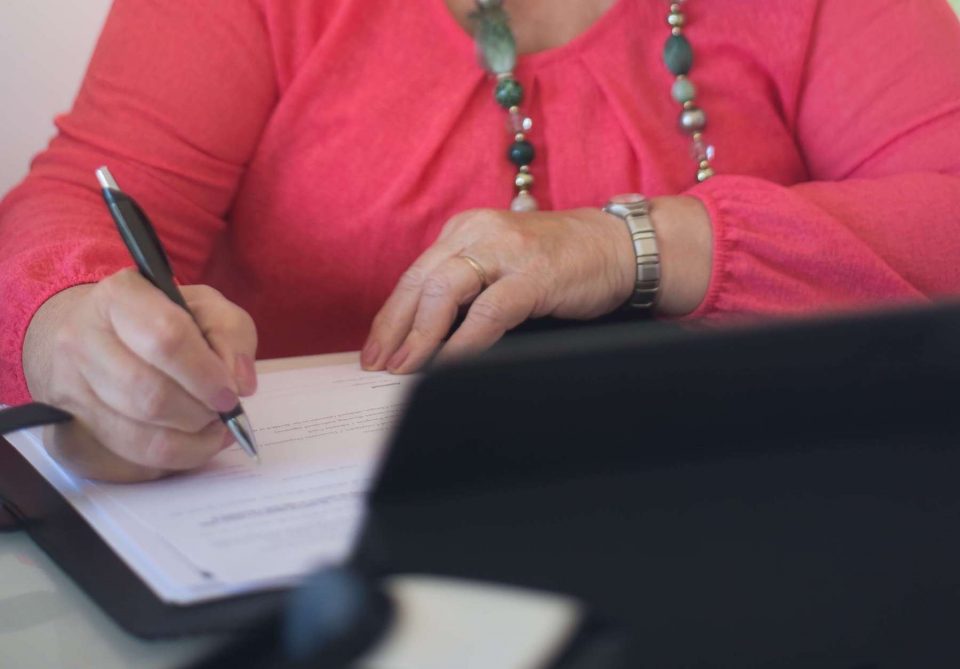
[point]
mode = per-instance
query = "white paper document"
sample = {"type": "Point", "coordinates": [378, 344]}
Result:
{"type": "Point", "coordinates": [234, 526]}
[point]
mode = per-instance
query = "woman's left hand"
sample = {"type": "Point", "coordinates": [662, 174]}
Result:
{"type": "Point", "coordinates": [508, 267]}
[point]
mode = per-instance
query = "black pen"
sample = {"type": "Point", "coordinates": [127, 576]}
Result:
{"type": "Point", "coordinates": [147, 251]}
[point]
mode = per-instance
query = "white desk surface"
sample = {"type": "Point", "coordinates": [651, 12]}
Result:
{"type": "Point", "coordinates": [47, 622]}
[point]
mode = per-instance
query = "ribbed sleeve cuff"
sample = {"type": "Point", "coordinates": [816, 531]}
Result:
{"type": "Point", "coordinates": [723, 248]}
{"type": "Point", "coordinates": [37, 281]}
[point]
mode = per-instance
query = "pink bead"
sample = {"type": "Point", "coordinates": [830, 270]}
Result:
{"type": "Point", "coordinates": [524, 201]}
{"type": "Point", "coordinates": [520, 123]}
{"type": "Point", "coordinates": [701, 151]}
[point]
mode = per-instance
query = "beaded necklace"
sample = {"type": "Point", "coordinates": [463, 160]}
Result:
{"type": "Point", "coordinates": [498, 55]}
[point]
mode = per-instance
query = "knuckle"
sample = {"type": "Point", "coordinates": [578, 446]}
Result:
{"type": "Point", "coordinates": [437, 285]}
{"type": "Point", "coordinates": [385, 322]}
{"type": "Point", "coordinates": [413, 278]}
{"type": "Point", "coordinates": [472, 219]}
{"type": "Point", "coordinates": [425, 333]}
{"type": "Point", "coordinates": [201, 292]}
{"type": "Point", "coordinates": [379, 321]}
{"type": "Point", "coordinates": [519, 237]}
{"type": "Point", "coordinates": [67, 338]}
{"type": "Point", "coordinates": [118, 279]}
{"type": "Point", "coordinates": [239, 320]}
{"type": "Point", "coordinates": [457, 221]}
{"type": "Point", "coordinates": [482, 216]}
{"type": "Point", "coordinates": [117, 283]}
{"type": "Point", "coordinates": [487, 312]}
{"type": "Point", "coordinates": [149, 397]}
{"type": "Point", "coordinates": [166, 334]}
{"type": "Point", "coordinates": [163, 450]}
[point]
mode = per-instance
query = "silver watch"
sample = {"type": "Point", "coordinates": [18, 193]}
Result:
{"type": "Point", "coordinates": [634, 210]}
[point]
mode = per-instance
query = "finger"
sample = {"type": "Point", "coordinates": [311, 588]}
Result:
{"type": "Point", "coordinates": [453, 283]}
{"type": "Point", "coordinates": [137, 390]}
{"type": "Point", "coordinates": [165, 336]}
{"type": "Point", "coordinates": [229, 330]}
{"type": "Point", "coordinates": [501, 307]}
{"type": "Point", "coordinates": [394, 320]}
{"type": "Point", "coordinates": [146, 446]}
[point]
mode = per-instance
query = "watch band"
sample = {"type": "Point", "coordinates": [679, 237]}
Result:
{"type": "Point", "coordinates": [634, 210]}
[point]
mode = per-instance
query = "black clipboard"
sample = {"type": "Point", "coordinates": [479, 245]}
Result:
{"type": "Point", "coordinates": [63, 534]}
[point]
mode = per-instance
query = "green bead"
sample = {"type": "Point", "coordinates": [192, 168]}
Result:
{"type": "Point", "coordinates": [678, 55]}
{"type": "Point", "coordinates": [509, 93]}
{"type": "Point", "coordinates": [521, 153]}
{"type": "Point", "coordinates": [683, 90]}
{"type": "Point", "coordinates": [495, 43]}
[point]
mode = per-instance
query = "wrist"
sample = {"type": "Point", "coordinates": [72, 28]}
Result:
{"type": "Point", "coordinates": [40, 337]}
{"type": "Point", "coordinates": [621, 265]}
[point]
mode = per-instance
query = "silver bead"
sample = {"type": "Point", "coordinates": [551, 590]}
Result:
{"type": "Point", "coordinates": [704, 174]}
{"type": "Point", "coordinates": [676, 19]}
{"type": "Point", "coordinates": [524, 201]}
{"type": "Point", "coordinates": [693, 120]}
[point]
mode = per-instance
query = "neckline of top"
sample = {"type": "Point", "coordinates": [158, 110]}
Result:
{"type": "Point", "coordinates": [594, 32]}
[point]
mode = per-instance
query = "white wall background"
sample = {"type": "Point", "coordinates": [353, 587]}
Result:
{"type": "Point", "coordinates": [44, 49]}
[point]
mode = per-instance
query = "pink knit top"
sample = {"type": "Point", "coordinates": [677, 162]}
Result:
{"type": "Point", "coordinates": [298, 155]}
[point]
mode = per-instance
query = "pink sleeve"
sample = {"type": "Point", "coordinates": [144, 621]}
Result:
{"type": "Point", "coordinates": [878, 122]}
{"type": "Point", "coordinates": [174, 102]}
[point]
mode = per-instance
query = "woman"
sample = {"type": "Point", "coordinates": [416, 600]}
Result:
{"type": "Point", "coordinates": [323, 163]}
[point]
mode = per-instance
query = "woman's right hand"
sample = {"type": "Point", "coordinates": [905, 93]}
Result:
{"type": "Point", "coordinates": [142, 382]}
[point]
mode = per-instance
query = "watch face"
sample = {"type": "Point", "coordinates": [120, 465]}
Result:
{"type": "Point", "coordinates": [628, 204]}
{"type": "Point", "coordinates": [627, 198]}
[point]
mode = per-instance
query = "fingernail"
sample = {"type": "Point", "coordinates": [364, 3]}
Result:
{"type": "Point", "coordinates": [370, 354]}
{"type": "Point", "coordinates": [225, 400]}
{"type": "Point", "coordinates": [398, 358]}
{"type": "Point", "coordinates": [246, 374]}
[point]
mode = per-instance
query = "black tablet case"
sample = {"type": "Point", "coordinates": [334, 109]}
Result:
{"type": "Point", "coordinates": [781, 496]}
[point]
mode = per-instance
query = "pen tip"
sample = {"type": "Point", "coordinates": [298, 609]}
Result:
{"type": "Point", "coordinates": [242, 430]}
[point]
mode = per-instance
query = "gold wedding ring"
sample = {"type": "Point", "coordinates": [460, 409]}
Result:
{"type": "Point", "coordinates": [478, 268]}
